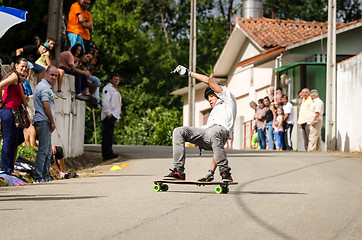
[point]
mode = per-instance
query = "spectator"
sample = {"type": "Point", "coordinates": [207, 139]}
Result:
{"type": "Point", "coordinates": [87, 24]}
{"type": "Point", "coordinates": [270, 93]}
{"type": "Point", "coordinates": [75, 24]}
{"type": "Point", "coordinates": [303, 116]}
{"type": "Point", "coordinates": [66, 62]}
{"type": "Point", "coordinates": [315, 122]}
{"type": "Point", "coordinates": [253, 105]}
{"type": "Point", "coordinates": [260, 117]}
{"type": "Point", "coordinates": [94, 82]}
{"type": "Point", "coordinates": [254, 140]}
{"type": "Point", "coordinates": [278, 128]}
{"type": "Point", "coordinates": [57, 159]}
{"type": "Point", "coordinates": [32, 53]}
{"type": "Point", "coordinates": [36, 40]}
{"type": "Point", "coordinates": [279, 91]}
{"type": "Point", "coordinates": [300, 97]}
{"type": "Point", "coordinates": [93, 50]}
{"type": "Point", "coordinates": [254, 135]}
{"type": "Point", "coordinates": [45, 61]}
{"type": "Point", "coordinates": [11, 96]}
{"type": "Point", "coordinates": [268, 122]}
{"type": "Point", "coordinates": [111, 113]}
{"type": "Point", "coordinates": [57, 163]}
{"type": "Point", "coordinates": [30, 137]}
{"type": "Point", "coordinates": [44, 123]}
{"type": "Point", "coordinates": [27, 89]}
{"type": "Point", "coordinates": [93, 67]}
{"type": "Point", "coordinates": [289, 122]}
{"type": "Point", "coordinates": [277, 101]}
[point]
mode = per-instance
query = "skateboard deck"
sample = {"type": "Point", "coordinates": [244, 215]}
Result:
{"type": "Point", "coordinates": [161, 185]}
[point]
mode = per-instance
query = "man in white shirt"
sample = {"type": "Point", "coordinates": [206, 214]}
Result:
{"type": "Point", "coordinates": [303, 112]}
{"type": "Point", "coordinates": [212, 136]}
{"type": "Point", "coordinates": [289, 122]}
{"type": "Point", "coordinates": [315, 122]}
{"type": "Point", "coordinates": [111, 113]}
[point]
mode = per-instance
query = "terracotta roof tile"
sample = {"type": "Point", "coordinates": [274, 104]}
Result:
{"type": "Point", "coordinates": [271, 33]}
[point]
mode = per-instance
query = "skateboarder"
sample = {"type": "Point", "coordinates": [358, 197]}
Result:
{"type": "Point", "coordinates": [213, 135]}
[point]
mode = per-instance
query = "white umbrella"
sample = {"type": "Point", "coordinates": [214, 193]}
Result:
{"type": "Point", "coordinates": [10, 17]}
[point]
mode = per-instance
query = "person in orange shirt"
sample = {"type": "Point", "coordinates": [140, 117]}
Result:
{"type": "Point", "coordinates": [87, 24]}
{"type": "Point", "coordinates": [75, 23]}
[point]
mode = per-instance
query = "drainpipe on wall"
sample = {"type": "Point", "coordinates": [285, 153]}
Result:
{"type": "Point", "coordinates": [278, 63]}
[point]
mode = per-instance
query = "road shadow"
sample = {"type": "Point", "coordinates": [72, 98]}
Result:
{"type": "Point", "coordinates": [235, 192]}
{"type": "Point", "coordinates": [32, 198]}
{"type": "Point", "coordinates": [122, 175]}
{"type": "Point", "coordinates": [10, 209]}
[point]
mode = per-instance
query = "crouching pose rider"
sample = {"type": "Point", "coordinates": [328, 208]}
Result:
{"type": "Point", "coordinates": [213, 135]}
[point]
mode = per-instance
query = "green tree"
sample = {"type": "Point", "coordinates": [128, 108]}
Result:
{"type": "Point", "coordinates": [312, 10]}
{"type": "Point", "coordinates": [143, 41]}
{"type": "Point", "coordinates": [22, 34]}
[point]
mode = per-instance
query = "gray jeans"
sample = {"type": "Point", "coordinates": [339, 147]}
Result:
{"type": "Point", "coordinates": [213, 138]}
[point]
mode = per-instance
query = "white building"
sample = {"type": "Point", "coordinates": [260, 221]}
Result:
{"type": "Point", "coordinates": [255, 56]}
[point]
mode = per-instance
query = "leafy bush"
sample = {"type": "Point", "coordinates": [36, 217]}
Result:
{"type": "Point", "coordinates": [27, 152]}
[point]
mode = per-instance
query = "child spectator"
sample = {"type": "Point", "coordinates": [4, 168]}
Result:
{"type": "Point", "coordinates": [45, 61]}
{"type": "Point", "coordinates": [278, 128]}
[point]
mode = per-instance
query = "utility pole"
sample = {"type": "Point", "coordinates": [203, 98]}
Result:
{"type": "Point", "coordinates": [55, 21]}
{"type": "Point", "coordinates": [331, 86]}
{"type": "Point", "coordinates": [192, 64]}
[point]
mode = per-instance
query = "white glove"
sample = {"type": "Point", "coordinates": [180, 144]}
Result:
{"type": "Point", "coordinates": [181, 71]}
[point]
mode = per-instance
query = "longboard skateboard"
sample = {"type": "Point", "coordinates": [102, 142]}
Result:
{"type": "Point", "coordinates": [161, 185]}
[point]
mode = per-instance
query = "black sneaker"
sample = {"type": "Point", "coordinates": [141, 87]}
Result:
{"type": "Point", "coordinates": [226, 176]}
{"type": "Point", "coordinates": [175, 175]}
{"type": "Point", "coordinates": [82, 97]}
{"type": "Point", "coordinates": [110, 156]}
{"type": "Point", "coordinates": [91, 104]}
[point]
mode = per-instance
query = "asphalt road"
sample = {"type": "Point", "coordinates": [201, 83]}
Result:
{"type": "Point", "coordinates": [280, 195]}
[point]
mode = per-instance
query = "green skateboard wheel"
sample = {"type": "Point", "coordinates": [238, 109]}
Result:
{"type": "Point", "coordinates": [225, 190]}
{"type": "Point", "coordinates": [218, 190]}
{"type": "Point", "coordinates": [156, 188]}
{"type": "Point", "coordinates": [164, 187]}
